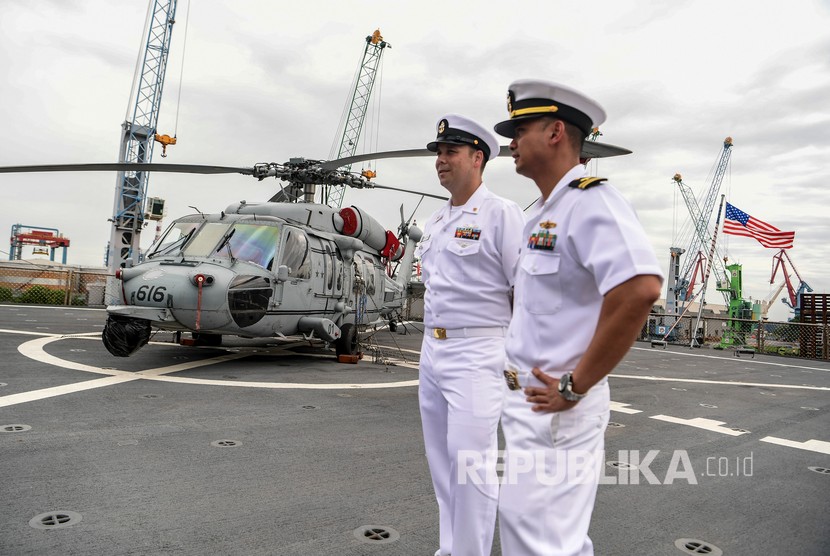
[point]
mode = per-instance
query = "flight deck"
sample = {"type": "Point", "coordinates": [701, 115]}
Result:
{"type": "Point", "coordinates": [275, 448]}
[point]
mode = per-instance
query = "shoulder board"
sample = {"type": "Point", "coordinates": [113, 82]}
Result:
{"type": "Point", "coordinates": [585, 183]}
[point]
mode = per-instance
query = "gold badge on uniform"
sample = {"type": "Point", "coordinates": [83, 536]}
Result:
{"type": "Point", "coordinates": [547, 224]}
{"type": "Point", "coordinates": [511, 376]}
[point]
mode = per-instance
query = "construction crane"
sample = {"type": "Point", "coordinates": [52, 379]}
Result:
{"type": "Point", "coordinates": [137, 140]}
{"type": "Point", "coordinates": [793, 299]}
{"type": "Point", "coordinates": [682, 277]}
{"type": "Point", "coordinates": [766, 303]}
{"type": "Point", "coordinates": [332, 195]}
{"type": "Point", "coordinates": [45, 240]}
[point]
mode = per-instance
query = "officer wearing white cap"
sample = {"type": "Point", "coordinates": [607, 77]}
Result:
{"type": "Point", "coordinates": [586, 279]}
{"type": "Point", "coordinates": [468, 256]}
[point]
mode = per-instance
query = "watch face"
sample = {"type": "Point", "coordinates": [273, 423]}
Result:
{"type": "Point", "coordinates": [563, 382]}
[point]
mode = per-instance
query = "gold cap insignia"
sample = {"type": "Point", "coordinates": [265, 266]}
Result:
{"type": "Point", "coordinates": [442, 126]}
{"type": "Point", "coordinates": [510, 99]}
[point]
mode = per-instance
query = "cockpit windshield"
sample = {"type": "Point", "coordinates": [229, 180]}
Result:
{"type": "Point", "coordinates": [254, 243]}
{"type": "Point", "coordinates": [174, 238]}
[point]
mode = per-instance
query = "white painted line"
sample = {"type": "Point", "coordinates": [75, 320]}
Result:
{"type": "Point", "coordinates": [750, 362]}
{"type": "Point", "coordinates": [723, 382]}
{"type": "Point", "coordinates": [623, 408]}
{"type": "Point", "coordinates": [281, 385]}
{"type": "Point", "coordinates": [700, 423]}
{"type": "Point", "coordinates": [35, 395]}
{"type": "Point", "coordinates": [34, 349]}
{"type": "Point", "coordinates": [819, 446]}
{"type": "Point", "coordinates": [27, 333]}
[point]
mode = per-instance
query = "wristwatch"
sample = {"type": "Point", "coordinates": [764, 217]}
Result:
{"type": "Point", "coordinates": [566, 384]}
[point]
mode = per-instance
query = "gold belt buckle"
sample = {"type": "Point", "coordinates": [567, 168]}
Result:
{"type": "Point", "coordinates": [439, 333]}
{"type": "Point", "coordinates": [511, 376]}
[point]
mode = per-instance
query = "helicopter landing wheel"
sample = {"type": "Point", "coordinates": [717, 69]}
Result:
{"type": "Point", "coordinates": [393, 326]}
{"type": "Point", "coordinates": [347, 344]}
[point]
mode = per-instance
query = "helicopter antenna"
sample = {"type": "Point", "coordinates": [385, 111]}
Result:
{"type": "Point", "coordinates": [197, 210]}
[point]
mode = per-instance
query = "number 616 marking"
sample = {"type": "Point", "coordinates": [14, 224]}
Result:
{"type": "Point", "coordinates": [151, 293]}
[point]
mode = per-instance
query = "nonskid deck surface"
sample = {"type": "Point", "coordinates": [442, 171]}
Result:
{"type": "Point", "coordinates": [273, 448]}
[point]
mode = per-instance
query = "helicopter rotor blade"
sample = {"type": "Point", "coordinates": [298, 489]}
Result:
{"type": "Point", "coordinates": [413, 192]}
{"type": "Point", "coordinates": [405, 153]}
{"type": "Point", "coordinates": [590, 149]}
{"type": "Point", "coordinates": [128, 167]}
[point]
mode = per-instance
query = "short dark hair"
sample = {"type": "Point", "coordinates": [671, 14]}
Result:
{"type": "Point", "coordinates": [575, 135]}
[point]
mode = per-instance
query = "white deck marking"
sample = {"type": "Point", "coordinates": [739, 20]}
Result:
{"type": "Point", "coordinates": [623, 408]}
{"type": "Point", "coordinates": [819, 446]}
{"type": "Point", "coordinates": [700, 423]}
{"type": "Point", "coordinates": [34, 349]}
{"type": "Point", "coordinates": [35, 395]}
{"type": "Point", "coordinates": [724, 382]}
{"type": "Point", "coordinates": [751, 362]}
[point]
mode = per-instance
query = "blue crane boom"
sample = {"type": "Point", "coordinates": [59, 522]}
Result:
{"type": "Point", "coordinates": [375, 45]}
{"type": "Point", "coordinates": [702, 236]}
{"type": "Point", "coordinates": [137, 140]}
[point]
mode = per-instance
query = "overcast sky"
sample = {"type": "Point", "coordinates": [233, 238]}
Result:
{"type": "Point", "coordinates": [264, 81]}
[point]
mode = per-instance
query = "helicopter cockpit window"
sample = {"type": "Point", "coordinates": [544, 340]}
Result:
{"type": "Point", "coordinates": [206, 239]}
{"type": "Point", "coordinates": [295, 254]}
{"type": "Point", "coordinates": [254, 243]}
{"type": "Point", "coordinates": [174, 238]}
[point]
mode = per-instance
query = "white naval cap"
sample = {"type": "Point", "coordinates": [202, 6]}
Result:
{"type": "Point", "coordinates": [459, 130]}
{"type": "Point", "coordinates": [532, 98]}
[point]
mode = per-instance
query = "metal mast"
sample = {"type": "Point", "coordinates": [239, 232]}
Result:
{"type": "Point", "coordinates": [333, 195]}
{"type": "Point", "coordinates": [139, 130]}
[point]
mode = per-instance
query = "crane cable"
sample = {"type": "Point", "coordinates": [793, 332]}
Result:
{"type": "Point", "coordinates": [130, 103]}
{"type": "Point", "coordinates": [374, 130]}
{"type": "Point", "coordinates": [181, 73]}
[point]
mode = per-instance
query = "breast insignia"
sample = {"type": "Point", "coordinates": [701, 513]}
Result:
{"type": "Point", "coordinates": [586, 182]}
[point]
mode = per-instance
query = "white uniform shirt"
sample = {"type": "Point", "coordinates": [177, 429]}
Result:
{"type": "Point", "coordinates": [585, 242]}
{"type": "Point", "coordinates": [468, 259]}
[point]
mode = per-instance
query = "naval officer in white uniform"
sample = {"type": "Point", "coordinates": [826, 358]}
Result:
{"type": "Point", "coordinates": [468, 257]}
{"type": "Point", "coordinates": [586, 280]}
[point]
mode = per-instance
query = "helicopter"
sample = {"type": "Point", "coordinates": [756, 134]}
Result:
{"type": "Point", "coordinates": [282, 268]}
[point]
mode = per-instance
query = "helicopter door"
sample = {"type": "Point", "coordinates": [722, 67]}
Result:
{"type": "Point", "coordinates": [334, 272]}
{"type": "Point", "coordinates": [294, 254]}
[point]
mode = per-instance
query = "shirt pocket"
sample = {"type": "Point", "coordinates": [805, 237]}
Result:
{"type": "Point", "coordinates": [423, 247]}
{"type": "Point", "coordinates": [542, 294]}
{"type": "Point", "coordinates": [462, 260]}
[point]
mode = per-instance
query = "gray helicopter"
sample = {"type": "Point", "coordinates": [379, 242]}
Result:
{"type": "Point", "coordinates": [282, 268]}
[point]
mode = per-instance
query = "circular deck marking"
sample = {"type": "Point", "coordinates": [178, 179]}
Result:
{"type": "Point", "coordinates": [34, 349]}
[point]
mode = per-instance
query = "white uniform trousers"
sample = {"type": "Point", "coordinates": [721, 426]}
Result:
{"type": "Point", "coordinates": [551, 472]}
{"type": "Point", "coordinates": [460, 391]}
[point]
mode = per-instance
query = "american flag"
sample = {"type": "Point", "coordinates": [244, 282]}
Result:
{"type": "Point", "coordinates": [739, 223]}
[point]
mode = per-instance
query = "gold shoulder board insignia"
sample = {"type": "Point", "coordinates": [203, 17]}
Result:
{"type": "Point", "coordinates": [585, 183]}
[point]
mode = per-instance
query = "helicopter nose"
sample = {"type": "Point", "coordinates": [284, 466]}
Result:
{"type": "Point", "coordinates": [204, 297]}
{"type": "Point", "coordinates": [248, 298]}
